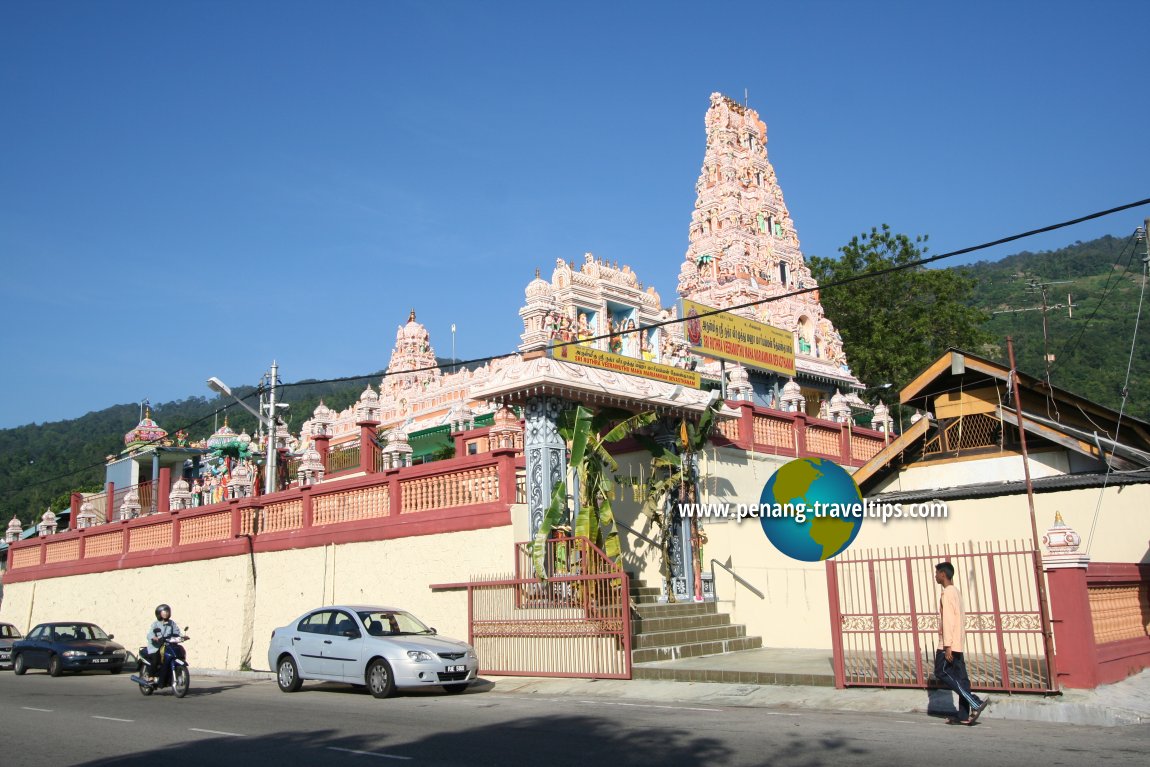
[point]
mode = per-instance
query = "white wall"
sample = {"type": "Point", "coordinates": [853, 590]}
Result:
{"type": "Point", "coordinates": [232, 607]}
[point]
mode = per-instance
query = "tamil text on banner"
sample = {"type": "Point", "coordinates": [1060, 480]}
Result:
{"type": "Point", "coordinates": [729, 337]}
{"type": "Point", "coordinates": [585, 355]}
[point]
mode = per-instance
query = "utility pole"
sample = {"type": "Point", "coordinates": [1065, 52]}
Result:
{"type": "Point", "coordinates": [273, 420]}
{"type": "Point", "coordinates": [1040, 288]}
{"type": "Point", "coordinates": [1039, 574]}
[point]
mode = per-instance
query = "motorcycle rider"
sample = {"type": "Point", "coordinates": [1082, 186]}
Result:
{"type": "Point", "coordinates": [162, 629]}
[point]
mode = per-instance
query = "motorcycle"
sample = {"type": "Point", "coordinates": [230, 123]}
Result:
{"type": "Point", "coordinates": [172, 671]}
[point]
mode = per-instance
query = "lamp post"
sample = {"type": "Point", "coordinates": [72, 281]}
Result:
{"type": "Point", "coordinates": [269, 421]}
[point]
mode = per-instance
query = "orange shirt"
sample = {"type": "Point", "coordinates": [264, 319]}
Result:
{"type": "Point", "coordinates": [951, 619]}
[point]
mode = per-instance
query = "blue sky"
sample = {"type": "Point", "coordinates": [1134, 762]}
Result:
{"type": "Point", "coordinates": [193, 189]}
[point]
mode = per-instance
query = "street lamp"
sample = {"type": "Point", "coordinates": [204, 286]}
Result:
{"type": "Point", "coordinates": [268, 421]}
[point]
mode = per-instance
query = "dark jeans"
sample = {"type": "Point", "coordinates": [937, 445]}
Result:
{"type": "Point", "coordinates": [155, 666]}
{"type": "Point", "coordinates": [953, 675]}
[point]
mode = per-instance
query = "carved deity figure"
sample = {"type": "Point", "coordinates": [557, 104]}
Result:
{"type": "Point", "coordinates": [631, 339]}
{"type": "Point", "coordinates": [615, 341]}
{"type": "Point", "coordinates": [566, 333]}
{"type": "Point", "coordinates": [583, 330]}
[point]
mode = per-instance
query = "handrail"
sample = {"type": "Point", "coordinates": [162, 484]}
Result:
{"type": "Point", "coordinates": [738, 578]}
{"type": "Point", "coordinates": [636, 532]}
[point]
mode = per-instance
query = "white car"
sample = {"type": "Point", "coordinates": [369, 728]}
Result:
{"type": "Point", "coordinates": [380, 647]}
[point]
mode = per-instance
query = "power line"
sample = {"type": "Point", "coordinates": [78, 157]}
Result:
{"type": "Point", "coordinates": [1111, 282]}
{"type": "Point", "coordinates": [1142, 235]}
{"type": "Point", "coordinates": [791, 294]}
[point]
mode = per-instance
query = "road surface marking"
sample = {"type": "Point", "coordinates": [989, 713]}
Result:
{"type": "Point", "coordinates": [29, 708]}
{"type": "Point", "coordinates": [904, 721]}
{"type": "Point", "coordinates": [217, 732]}
{"type": "Point", "coordinates": [780, 713]}
{"type": "Point", "coordinates": [646, 705]}
{"type": "Point", "coordinates": [112, 718]}
{"type": "Point", "coordinates": [366, 753]}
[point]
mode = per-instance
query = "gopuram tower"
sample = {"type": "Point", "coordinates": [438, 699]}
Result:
{"type": "Point", "coordinates": [743, 247]}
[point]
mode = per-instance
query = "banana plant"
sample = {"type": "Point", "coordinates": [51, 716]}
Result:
{"type": "Point", "coordinates": [587, 434]}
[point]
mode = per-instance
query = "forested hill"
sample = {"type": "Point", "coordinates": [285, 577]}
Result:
{"type": "Point", "coordinates": [42, 464]}
{"type": "Point", "coordinates": [1092, 291]}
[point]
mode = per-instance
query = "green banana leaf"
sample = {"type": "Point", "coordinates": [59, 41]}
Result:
{"type": "Point", "coordinates": [551, 517]}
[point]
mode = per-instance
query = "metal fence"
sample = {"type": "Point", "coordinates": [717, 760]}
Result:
{"type": "Point", "coordinates": [577, 623]}
{"type": "Point", "coordinates": [885, 618]}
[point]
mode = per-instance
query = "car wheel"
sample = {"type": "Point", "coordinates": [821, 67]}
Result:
{"type": "Point", "coordinates": [116, 669]}
{"type": "Point", "coordinates": [455, 689]}
{"type": "Point", "coordinates": [287, 675]}
{"type": "Point", "coordinates": [18, 667]}
{"type": "Point", "coordinates": [379, 679]}
{"type": "Point", "coordinates": [55, 667]}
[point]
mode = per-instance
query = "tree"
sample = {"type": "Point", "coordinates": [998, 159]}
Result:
{"type": "Point", "coordinates": [894, 325]}
{"type": "Point", "coordinates": [587, 435]}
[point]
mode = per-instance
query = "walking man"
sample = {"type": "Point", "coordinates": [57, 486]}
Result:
{"type": "Point", "coordinates": [949, 665]}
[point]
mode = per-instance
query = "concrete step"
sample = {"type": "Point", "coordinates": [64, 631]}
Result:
{"type": "Point", "coordinates": [645, 594]}
{"type": "Point", "coordinates": [774, 666]}
{"type": "Point", "coordinates": [695, 649]}
{"type": "Point", "coordinates": [676, 610]}
{"type": "Point", "coordinates": [726, 676]}
{"type": "Point", "coordinates": [678, 623]}
{"type": "Point", "coordinates": [687, 636]}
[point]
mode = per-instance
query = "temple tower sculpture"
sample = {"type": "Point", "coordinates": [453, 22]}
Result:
{"type": "Point", "coordinates": [743, 245]}
{"type": "Point", "coordinates": [413, 364]}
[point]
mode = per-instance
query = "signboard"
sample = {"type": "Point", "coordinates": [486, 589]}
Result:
{"type": "Point", "coordinates": [585, 355]}
{"type": "Point", "coordinates": [729, 337]}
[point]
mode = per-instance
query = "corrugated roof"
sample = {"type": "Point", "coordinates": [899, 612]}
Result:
{"type": "Point", "coordinates": [1014, 487]}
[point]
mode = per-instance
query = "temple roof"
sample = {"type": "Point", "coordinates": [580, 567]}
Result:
{"type": "Point", "coordinates": [581, 383]}
{"type": "Point", "coordinates": [145, 431]}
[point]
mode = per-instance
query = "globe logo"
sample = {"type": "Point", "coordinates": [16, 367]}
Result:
{"type": "Point", "coordinates": [808, 509]}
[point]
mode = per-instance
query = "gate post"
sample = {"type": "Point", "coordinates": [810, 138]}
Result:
{"type": "Point", "coordinates": [839, 662]}
{"type": "Point", "coordinates": [1073, 623]}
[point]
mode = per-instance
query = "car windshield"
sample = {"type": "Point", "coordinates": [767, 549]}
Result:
{"type": "Point", "coordinates": [8, 632]}
{"type": "Point", "coordinates": [381, 623]}
{"type": "Point", "coordinates": [77, 632]}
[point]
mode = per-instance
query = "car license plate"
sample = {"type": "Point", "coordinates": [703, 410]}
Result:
{"type": "Point", "coordinates": [4, 655]}
{"type": "Point", "coordinates": [455, 669]}
{"type": "Point", "coordinates": [99, 660]}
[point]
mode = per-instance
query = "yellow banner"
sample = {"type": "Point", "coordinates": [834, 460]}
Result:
{"type": "Point", "coordinates": [585, 355]}
{"type": "Point", "coordinates": [729, 337]}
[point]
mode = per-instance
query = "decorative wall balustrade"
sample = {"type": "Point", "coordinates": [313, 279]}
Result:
{"type": "Point", "coordinates": [823, 440]}
{"type": "Point", "coordinates": [464, 493]}
{"type": "Point", "coordinates": [1120, 612]}
{"type": "Point", "coordinates": [351, 505]}
{"type": "Point", "coordinates": [150, 537]}
{"type": "Point", "coordinates": [765, 430]}
{"type": "Point", "coordinates": [279, 516]}
{"type": "Point", "coordinates": [444, 491]}
{"type": "Point", "coordinates": [774, 432]}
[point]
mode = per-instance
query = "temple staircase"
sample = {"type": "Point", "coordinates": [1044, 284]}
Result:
{"type": "Point", "coordinates": [666, 632]}
{"type": "Point", "coordinates": [695, 642]}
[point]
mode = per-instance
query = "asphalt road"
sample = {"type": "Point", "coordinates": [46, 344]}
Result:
{"type": "Point", "coordinates": [97, 719]}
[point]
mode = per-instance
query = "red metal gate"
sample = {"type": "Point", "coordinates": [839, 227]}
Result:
{"type": "Point", "coordinates": [884, 616]}
{"type": "Point", "coordinates": [577, 623]}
